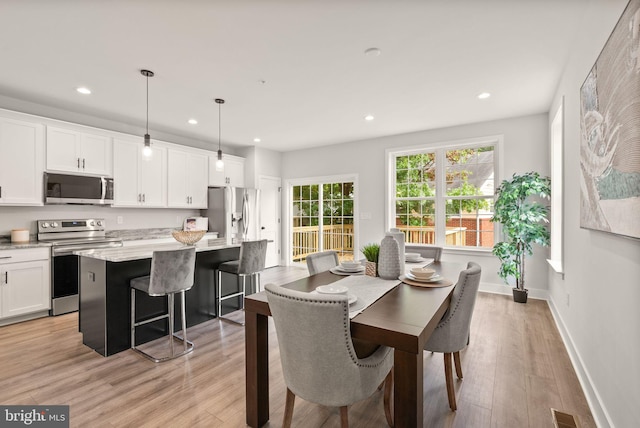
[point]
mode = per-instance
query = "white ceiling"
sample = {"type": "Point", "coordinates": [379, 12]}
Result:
{"type": "Point", "coordinates": [437, 56]}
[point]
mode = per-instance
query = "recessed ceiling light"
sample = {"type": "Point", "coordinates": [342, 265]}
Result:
{"type": "Point", "coordinates": [369, 118]}
{"type": "Point", "coordinates": [484, 95]}
{"type": "Point", "coordinates": [83, 90]}
{"type": "Point", "coordinates": [256, 140]}
{"type": "Point", "coordinates": [372, 52]}
{"type": "Point", "coordinates": [192, 122]}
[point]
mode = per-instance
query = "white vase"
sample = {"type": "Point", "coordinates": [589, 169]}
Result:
{"type": "Point", "coordinates": [388, 260]}
{"type": "Point", "coordinates": [399, 236]}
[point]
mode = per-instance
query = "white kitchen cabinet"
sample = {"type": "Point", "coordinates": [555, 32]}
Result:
{"type": "Point", "coordinates": [24, 283]}
{"type": "Point", "coordinates": [187, 174]}
{"type": "Point", "coordinates": [139, 181]}
{"type": "Point", "coordinates": [231, 174]}
{"type": "Point", "coordinates": [21, 162]}
{"type": "Point", "coordinates": [78, 152]}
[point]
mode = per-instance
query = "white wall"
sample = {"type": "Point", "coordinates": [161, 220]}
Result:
{"type": "Point", "coordinates": [525, 149]}
{"type": "Point", "coordinates": [596, 304]}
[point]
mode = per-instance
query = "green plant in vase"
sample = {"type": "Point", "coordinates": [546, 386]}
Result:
{"type": "Point", "coordinates": [371, 252]}
{"type": "Point", "coordinates": [523, 224]}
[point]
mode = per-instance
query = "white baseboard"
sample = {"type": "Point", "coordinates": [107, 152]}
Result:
{"type": "Point", "coordinates": [598, 410]}
{"type": "Point", "coordinates": [534, 293]}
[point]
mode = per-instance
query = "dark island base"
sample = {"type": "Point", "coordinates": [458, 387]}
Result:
{"type": "Point", "coordinates": [105, 300]}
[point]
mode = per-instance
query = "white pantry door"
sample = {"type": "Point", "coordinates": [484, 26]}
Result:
{"type": "Point", "coordinates": [270, 217]}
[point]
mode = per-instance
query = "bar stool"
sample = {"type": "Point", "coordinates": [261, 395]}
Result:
{"type": "Point", "coordinates": [253, 255]}
{"type": "Point", "coordinates": [171, 272]}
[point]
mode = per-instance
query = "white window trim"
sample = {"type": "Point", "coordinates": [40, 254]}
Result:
{"type": "Point", "coordinates": [495, 140]}
{"type": "Point", "coordinates": [556, 149]}
{"type": "Point", "coordinates": [306, 181]}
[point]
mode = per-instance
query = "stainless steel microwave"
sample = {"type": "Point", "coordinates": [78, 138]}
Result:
{"type": "Point", "coordinates": [77, 189]}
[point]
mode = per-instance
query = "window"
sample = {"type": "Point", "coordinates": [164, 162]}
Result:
{"type": "Point", "coordinates": [557, 180]}
{"type": "Point", "coordinates": [444, 195]}
{"type": "Point", "coordinates": [323, 219]}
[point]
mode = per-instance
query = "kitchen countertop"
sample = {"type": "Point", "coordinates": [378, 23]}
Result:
{"type": "Point", "coordinates": [124, 254]}
{"type": "Point", "coordinates": [6, 244]}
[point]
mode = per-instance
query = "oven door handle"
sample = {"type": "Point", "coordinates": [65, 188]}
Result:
{"type": "Point", "coordinates": [66, 250]}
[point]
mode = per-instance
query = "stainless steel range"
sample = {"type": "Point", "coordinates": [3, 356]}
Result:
{"type": "Point", "coordinates": [67, 236]}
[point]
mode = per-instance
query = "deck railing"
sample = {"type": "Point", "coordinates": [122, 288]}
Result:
{"type": "Point", "coordinates": [427, 235]}
{"type": "Point", "coordinates": [338, 237]}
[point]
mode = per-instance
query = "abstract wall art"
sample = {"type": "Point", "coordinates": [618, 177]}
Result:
{"type": "Point", "coordinates": [610, 132]}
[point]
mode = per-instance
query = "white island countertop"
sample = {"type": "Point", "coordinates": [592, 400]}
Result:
{"type": "Point", "coordinates": [125, 254]}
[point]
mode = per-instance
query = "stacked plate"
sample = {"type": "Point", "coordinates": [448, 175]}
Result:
{"type": "Point", "coordinates": [350, 267]}
{"type": "Point", "coordinates": [423, 275]}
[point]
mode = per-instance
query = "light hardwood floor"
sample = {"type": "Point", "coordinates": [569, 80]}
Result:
{"type": "Point", "coordinates": [515, 370]}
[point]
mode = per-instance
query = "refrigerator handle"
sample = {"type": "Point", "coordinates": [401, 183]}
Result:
{"type": "Point", "coordinates": [245, 215]}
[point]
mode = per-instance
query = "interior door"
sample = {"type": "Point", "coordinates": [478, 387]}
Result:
{"type": "Point", "coordinates": [270, 217]}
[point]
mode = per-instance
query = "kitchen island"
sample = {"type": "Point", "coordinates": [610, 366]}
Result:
{"type": "Point", "coordinates": [105, 299]}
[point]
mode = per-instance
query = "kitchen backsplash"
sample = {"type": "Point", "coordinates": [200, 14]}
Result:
{"type": "Point", "coordinates": [131, 218]}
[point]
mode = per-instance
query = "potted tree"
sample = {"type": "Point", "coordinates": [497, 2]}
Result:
{"type": "Point", "coordinates": [523, 221]}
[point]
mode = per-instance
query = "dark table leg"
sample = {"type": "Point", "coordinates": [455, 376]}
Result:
{"type": "Point", "coordinates": [407, 392]}
{"type": "Point", "coordinates": [257, 368]}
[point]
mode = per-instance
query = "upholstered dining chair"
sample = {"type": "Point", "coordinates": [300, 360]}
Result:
{"type": "Point", "coordinates": [426, 251]}
{"type": "Point", "coordinates": [452, 332]}
{"type": "Point", "coordinates": [319, 363]}
{"type": "Point", "coordinates": [322, 261]}
{"type": "Point", "coordinates": [172, 272]}
{"type": "Point", "coordinates": [252, 260]}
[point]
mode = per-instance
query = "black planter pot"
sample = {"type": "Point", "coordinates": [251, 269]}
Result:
{"type": "Point", "coordinates": [520, 296]}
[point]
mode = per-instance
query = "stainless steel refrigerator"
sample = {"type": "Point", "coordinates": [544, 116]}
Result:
{"type": "Point", "coordinates": [233, 213]}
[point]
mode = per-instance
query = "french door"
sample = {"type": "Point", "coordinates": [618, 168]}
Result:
{"type": "Point", "coordinates": [322, 218]}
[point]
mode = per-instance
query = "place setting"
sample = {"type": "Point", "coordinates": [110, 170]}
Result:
{"type": "Point", "coordinates": [354, 303]}
{"type": "Point", "coordinates": [425, 277]}
{"type": "Point", "coordinates": [416, 258]}
{"type": "Point", "coordinates": [348, 268]}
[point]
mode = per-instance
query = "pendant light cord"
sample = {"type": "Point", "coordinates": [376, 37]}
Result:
{"type": "Point", "coordinates": [219, 125]}
{"type": "Point", "coordinates": [147, 104]}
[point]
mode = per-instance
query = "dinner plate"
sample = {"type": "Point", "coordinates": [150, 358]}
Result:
{"type": "Point", "coordinates": [358, 269]}
{"type": "Point", "coordinates": [434, 278]}
{"type": "Point", "coordinates": [352, 298]}
{"type": "Point", "coordinates": [338, 271]}
{"type": "Point", "coordinates": [418, 260]}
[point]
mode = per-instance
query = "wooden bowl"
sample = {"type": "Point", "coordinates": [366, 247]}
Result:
{"type": "Point", "coordinates": [188, 237]}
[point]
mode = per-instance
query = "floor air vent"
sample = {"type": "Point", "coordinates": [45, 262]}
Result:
{"type": "Point", "coordinates": [563, 420]}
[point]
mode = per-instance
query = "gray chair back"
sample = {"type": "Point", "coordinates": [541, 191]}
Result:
{"type": "Point", "coordinates": [452, 332]}
{"type": "Point", "coordinates": [318, 360]}
{"type": "Point", "coordinates": [172, 271]}
{"type": "Point", "coordinates": [426, 251]}
{"type": "Point", "coordinates": [253, 256]}
{"type": "Point", "coordinates": [322, 261]}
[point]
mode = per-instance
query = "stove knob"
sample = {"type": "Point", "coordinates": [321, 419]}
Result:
{"type": "Point", "coordinates": [99, 223]}
{"type": "Point", "coordinates": [45, 225]}
{"type": "Point", "coordinates": [92, 224]}
{"type": "Point", "coordinates": [54, 224]}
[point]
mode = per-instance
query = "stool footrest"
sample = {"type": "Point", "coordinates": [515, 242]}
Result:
{"type": "Point", "coordinates": [169, 357]}
{"type": "Point", "coordinates": [148, 320]}
{"type": "Point", "coordinates": [230, 296]}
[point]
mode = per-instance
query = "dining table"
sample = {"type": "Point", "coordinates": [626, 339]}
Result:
{"type": "Point", "coordinates": [404, 318]}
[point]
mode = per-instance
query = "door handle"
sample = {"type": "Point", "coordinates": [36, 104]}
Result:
{"type": "Point", "coordinates": [262, 228]}
{"type": "Point", "coordinates": [82, 163]}
{"type": "Point", "coordinates": [78, 162]}
{"type": "Point", "coordinates": [139, 197]}
{"type": "Point", "coordinates": [6, 277]}
{"type": "Point", "coordinates": [144, 197]}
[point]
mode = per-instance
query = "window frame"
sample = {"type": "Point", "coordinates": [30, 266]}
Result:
{"type": "Point", "coordinates": [440, 199]}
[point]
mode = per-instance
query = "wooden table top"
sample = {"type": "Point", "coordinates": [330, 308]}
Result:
{"type": "Point", "coordinates": [403, 318]}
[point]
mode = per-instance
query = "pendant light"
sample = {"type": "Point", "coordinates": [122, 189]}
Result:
{"type": "Point", "coordinates": [219, 162]}
{"type": "Point", "coordinates": [146, 150]}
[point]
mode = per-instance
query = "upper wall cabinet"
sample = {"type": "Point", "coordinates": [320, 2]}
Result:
{"type": "Point", "coordinates": [231, 174]}
{"type": "Point", "coordinates": [21, 162]}
{"type": "Point", "coordinates": [78, 152]}
{"type": "Point", "coordinates": [187, 179]}
{"type": "Point", "coordinates": [139, 181]}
